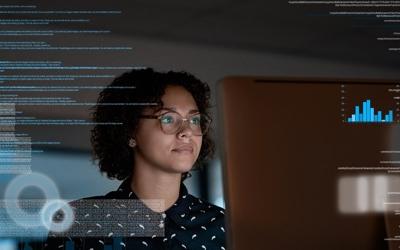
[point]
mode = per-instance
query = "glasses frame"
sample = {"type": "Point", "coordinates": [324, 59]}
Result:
{"type": "Point", "coordinates": [183, 120]}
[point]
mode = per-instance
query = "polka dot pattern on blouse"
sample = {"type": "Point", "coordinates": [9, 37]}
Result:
{"type": "Point", "coordinates": [190, 223]}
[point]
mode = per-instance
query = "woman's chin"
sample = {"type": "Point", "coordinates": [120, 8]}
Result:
{"type": "Point", "coordinates": [182, 167]}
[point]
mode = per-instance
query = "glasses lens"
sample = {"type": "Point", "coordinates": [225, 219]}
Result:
{"type": "Point", "coordinates": [195, 124]}
{"type": "Point", "coordinates": [171, 122]}
{"type": "Point", "coordinates": [199, 124]}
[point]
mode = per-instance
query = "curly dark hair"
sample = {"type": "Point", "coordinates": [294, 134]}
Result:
{"type": "Point", "coordinates": [140, 86]}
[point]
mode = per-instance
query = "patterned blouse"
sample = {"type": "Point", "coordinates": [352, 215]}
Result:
{"type": "Point", "coordinates": [190, 223]}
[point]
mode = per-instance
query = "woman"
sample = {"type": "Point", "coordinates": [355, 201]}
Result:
{"type": "Point", "coordinates": [161, 134]}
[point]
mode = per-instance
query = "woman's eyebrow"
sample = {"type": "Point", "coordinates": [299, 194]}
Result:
{"type": "Point", "coordinates": [192, 111]}
{"type": "Point", "coordinates": [166, 108]}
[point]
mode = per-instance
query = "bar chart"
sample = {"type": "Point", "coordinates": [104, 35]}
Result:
{"type": "Point", "coordinates": [366, 113]}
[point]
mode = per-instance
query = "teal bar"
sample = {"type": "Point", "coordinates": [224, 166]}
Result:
{"type": "Point", "coordinates": [372, 115]}
{"type": "Point", "coordinates": [364, 111]}
{"type": "Point", "coordinates": [368, 111]}
{"type": "Point", "coordinates": [357, 114]}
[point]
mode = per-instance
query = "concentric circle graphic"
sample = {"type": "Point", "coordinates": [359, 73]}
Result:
{"type": "Point", "coordinates": [21, 216]}
{"type": "Point", "coordinates": [51, 209]}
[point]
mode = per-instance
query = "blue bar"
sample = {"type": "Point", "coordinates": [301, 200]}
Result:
{"type": "Point", "coordinates": [353, 118]}
{"type": "Point", "coordinates": [367, 115]}
{"type": "Point", "coordinates": [376, 118]}
{"type": "Point", "coordinates": [372, 115]}
{"type": "Point", "coordinates": [380, 116]}
{"type": "Point", "coordinates": [364, 111]}
{"type": "Point", "coordinates": [386, 118]}
{"type": "Point", "coordinates": [357, 113]}
{"type": "Point", "coordinates": [390, 115]}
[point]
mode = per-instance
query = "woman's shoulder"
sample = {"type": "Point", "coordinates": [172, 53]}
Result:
{"type": "Point", "coordinates": [203, 212]}
{"type": "Point", "coordinates": [200, 203]}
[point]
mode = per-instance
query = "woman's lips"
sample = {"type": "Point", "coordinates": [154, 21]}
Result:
{"type": "Point", "coordinates": [183, 148]}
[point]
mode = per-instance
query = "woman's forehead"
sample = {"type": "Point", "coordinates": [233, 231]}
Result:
{"type": "Point", "coordinates": [178, 98]}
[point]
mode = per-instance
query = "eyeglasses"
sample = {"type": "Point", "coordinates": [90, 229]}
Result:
{"type": "Point", "coordinates": [172, 122]}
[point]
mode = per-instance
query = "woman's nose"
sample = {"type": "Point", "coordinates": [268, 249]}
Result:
{"type": "Point", "coordinates": [185, 129]}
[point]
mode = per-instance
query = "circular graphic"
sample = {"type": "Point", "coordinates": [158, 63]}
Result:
{"type": "Point", "coordinates": [53, 209]}
{"type": "Point", "coordinates": [20, 215]}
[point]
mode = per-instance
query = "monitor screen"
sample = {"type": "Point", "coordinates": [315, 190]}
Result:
{"type": "Point", "coordinates": [310, 164]}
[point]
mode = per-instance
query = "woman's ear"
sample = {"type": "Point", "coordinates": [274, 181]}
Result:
{"type": "Point", "coordinates": [132, 143]}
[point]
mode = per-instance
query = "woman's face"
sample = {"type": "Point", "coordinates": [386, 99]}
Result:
{"type": "Point", "coordinates": [173, 153]}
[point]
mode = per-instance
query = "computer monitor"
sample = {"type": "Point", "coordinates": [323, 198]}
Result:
{"type": "Point", "coordinates": [310, 163]}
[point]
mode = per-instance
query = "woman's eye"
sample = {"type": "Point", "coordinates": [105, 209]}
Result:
{"type": "Point", "coordinates": [195, 120]}
{"type": "Point", "coordinates": [167, 119]}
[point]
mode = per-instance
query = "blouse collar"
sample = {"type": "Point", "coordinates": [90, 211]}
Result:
{"type": "Point", "coordinates": [178, 207]}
